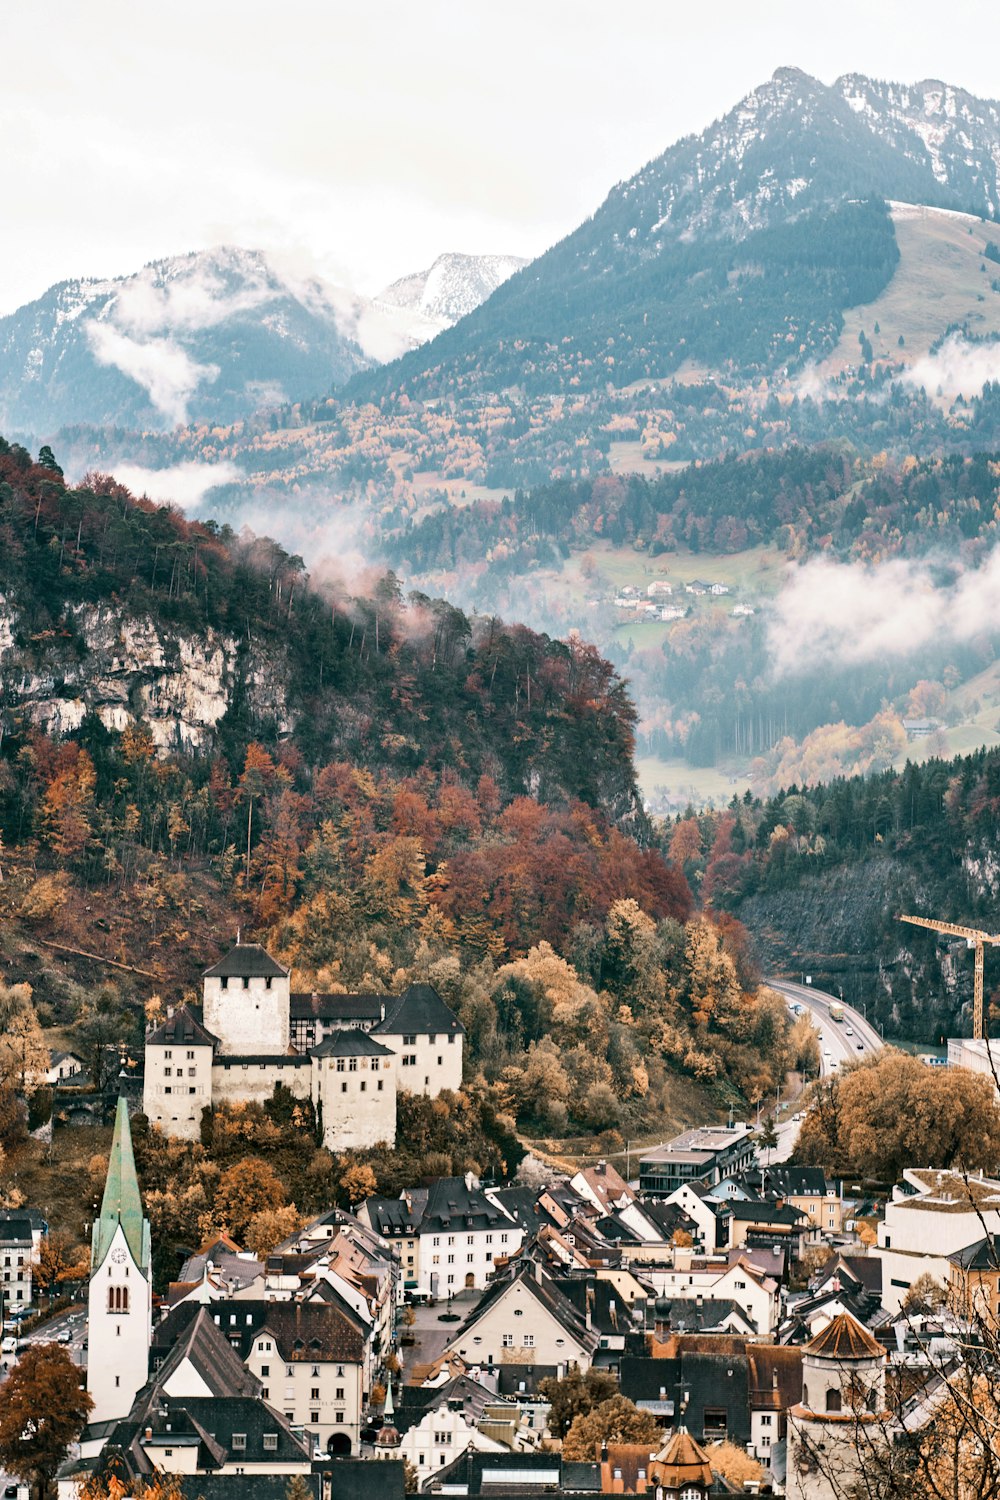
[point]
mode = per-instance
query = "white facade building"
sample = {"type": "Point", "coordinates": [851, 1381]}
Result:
{"type": "Point", "coordinates": [349, 1054]}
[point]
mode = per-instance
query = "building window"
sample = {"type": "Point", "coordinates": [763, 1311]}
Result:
{"type": "Point", "coordinates": [508, 1341]}
{"type": "Point", "coordinates": [338, 1418]}
{"type": "Point", "coordinates": [340, 1065]}
{"type": "Point", "coordinates": [528, 1341]}
{"type": "Point", "coordinates": [339, 1393]}
{"type": "Point", "coordinates": [364, 1084]}
{"type": "Point", "coordinates": [352, 1065]}
{"type": "Point", "coordinates": [270, 1438]}
{"type": "Point", "coordinates": [118, 1299]}
{"type": "Point", "coordinates": [343, 1087]}
{"type": "Point", "coordinates": [239, 1442]}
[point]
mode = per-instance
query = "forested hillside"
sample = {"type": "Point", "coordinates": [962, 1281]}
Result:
{"type": "Point", "coordinates": [821, 874]}
{"type": "Point", "coordinates": [401, 794]}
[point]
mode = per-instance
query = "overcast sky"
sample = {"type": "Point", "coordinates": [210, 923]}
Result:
{"type": "Point", "coordinates": [363, 139]}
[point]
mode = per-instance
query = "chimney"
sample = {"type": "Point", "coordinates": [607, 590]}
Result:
{"type": "Point", "coordinates": [149, 1434]}
{"type": "Point", "coordinates": [601, 1168]}
{"type": "Point", "coordinates": [774, 1380]}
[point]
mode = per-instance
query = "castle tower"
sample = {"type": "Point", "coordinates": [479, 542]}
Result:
{"type": "Point", "coordinates": [119, 1315]}
{"type": "Point", "coordinates": [838, 1426]}
{"type": "Point", "coordinates": [247, 1002]}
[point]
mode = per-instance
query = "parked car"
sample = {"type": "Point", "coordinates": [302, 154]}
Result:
{"type": "Point", "coordinates": [9, 1345]}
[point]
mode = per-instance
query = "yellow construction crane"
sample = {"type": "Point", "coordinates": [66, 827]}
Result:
{"type": "Point", "coordinates": [975, 939]}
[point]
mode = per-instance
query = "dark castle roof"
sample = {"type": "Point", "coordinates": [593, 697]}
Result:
{"type": "Point", "coordinates": [247, 961]}
{"type": "Point", "coordinates": [419, 1009]}
{"type": "Point", "coordinates": [183, 1028]}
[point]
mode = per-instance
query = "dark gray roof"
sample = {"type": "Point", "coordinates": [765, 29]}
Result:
{"type": "Point", "coordinates": [543, 1288]}
{"type": "Point", "coordinates": [15, 1231]}
{"type": "Point", "coordinates": [421, 1010]}
{"type": "Point", "coordinates": [212, 1355]}
{"type": "Point", "coordinates": [767, 1213]}
{"type": "Point", "coordinates": [984, 1255]}
{"type": "Point", "coordinates": [350, 1043]}
{"type": "Point", "coordinates": [396, 1216]}
{"type": "Point", "coordinates": [316, 1331]}
{"type": "Point", "coordinates": [247, 961]}
{"type": "Point", "coordinates": [337, 1008]}
{"type": "Point", "coordinates": [184, 1028]}
{"type": "Point", "coordinates": [34, 1218]}
{"type": "Point", "coordinates": [463, 1393]}
{"type": "Point", "coordinates": [451, 1206]}
{"type": "Point", "coordinates": [683, 1315]}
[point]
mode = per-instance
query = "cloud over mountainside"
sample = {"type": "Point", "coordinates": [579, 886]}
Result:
{"type": "Point", "coordinates": [849, 613]}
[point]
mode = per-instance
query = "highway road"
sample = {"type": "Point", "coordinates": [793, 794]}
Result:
{"type": "Point", "coordinates": [842, 1040]}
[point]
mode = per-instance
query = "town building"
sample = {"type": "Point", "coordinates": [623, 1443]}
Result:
{"type": "Point", "coordinates": [348, 1054]}
{"type": "Point", "coordinates": [704, 1155]}
{"type": "Point", "coordinates": [21, 1231]}
{"type": "Point", "coordinates": [929, 1218]}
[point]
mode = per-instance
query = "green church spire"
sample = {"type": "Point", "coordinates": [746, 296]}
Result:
{"type": "Point", "coordinates": [121, 1204]}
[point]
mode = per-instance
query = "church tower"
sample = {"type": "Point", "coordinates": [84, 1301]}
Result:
{"type": "Point", "coordinates": [119, 1319]}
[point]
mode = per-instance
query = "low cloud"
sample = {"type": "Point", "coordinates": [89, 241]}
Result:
{"type": "Point", "coordinates": [166, 372]}
{"type": "Point", "coordinates": [849, 613]}
{"type": "Point", "coordinates": [184, 484]}
{"type": "Point", "coordinates": [958, 368]}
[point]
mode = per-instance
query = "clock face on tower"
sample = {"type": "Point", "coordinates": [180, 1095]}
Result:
{"type": "Point", "coordinates": [118, 1255]}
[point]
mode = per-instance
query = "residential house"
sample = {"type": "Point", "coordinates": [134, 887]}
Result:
{"type": "Point", "coordinates": [464, 1231]}
{"type": "Point", "coordinates": [21, 1232]}
{"type": "Point", "coordinates": [741, 1283]}
{"type": "Point", "coordinates": [308, 1358]}
{"type": "Point", "coordinates": [63, 1066]}
{"type": "Point", "coordinates": [711, 1216]}
{"type": "Point", "coordinates": [397, 1221]}
{"type": "Point", "coordinates": [525, 1319]}
{"type": "Point", "coordinates": [448, 1421]}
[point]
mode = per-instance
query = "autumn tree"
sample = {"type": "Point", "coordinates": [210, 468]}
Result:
{"type": "Point", "coordinates": [887, 1111]}
{"type": "Point", "coordinates": [358, 1183]}
{"type": "Point", "coordinates": [735, 1464]}
{"type": "Point", "coordinates": [24, 1053]}
{"type": "Point", "coordinates": [43, 1409]}
{"type": "Point", "coordinates": [247, 1188]}
{"type": "Point", "coordinates": [269, 1227]}
{"type": "Point", "coordinates": [575, 1395]}
{"type": "Point", "coordinates": [57, 1261]}
{"type": "Point", "coordinates": [616, 1420]}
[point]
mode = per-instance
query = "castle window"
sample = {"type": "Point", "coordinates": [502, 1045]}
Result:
{"type": "Point", "coordinates": [343, 1087]}
{"type": "Point", "coordinates": [167, 1052]}
{"type": "Point", "coordinates": [190, 1057]}
{"type": "Point", "coordinates": [224, 982]}
{"type": "Point", "coordinates": [267, 985]}
{"type": "Point", "coordinates": [364, 1084]}
{"type": "Point", "coordinates": [833, 1402]}
{"type": "Point", "coordinates": [451, 1036]}
{"type": "Point", "coordinates": [340, 1065]}
{"type": "Point", "coordinates": [352, 1066]}
{"type": "Point", "coordinates": [246, 984]}
{"type": "Point", "coordinates": [380, 1085]}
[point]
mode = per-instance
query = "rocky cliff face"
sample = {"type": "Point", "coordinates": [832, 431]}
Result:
{"type": "Point", "coordinates": [180, 683]}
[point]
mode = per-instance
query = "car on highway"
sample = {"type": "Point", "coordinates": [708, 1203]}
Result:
{"type": "Point", "coordinates": [849, 1030]}
{"type": "Point", "coordinates": [861, 1046]}
{"type": "Point", "coordinates": [827, 1052]}
{"type": "Point", "coordinates": [64, 1336]}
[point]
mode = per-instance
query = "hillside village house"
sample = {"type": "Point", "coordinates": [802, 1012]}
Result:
{"type": "Point", "coordinates": [451, 1235]}
{"type": "Point", "coordinates": [344, 1052]}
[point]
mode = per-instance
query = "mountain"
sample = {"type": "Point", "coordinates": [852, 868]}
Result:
{"type": "Point", "coordinates": [450, 289]}
{"type": "Point", "coordinates": [215, 335]}
{"type": "Point", "coordinates": [740, 247]}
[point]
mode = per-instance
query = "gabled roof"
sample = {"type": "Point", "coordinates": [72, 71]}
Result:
{"type": "Point", "coordinates": [15, 1231]}
{"type": "Point", "coordinates": [421, 1010]}
{"type": "Point", "coordinates": [844, 1338]}
{"type": "Point", "coordinates": [350, 1043]}
{"type": "Point", "coordinates": [984, 1255]}
{"type": "Point", "coordinates": [542, 1287]}
{"type": "Point", "coordinates": [183, 1028]}
{"type": "Point", "coordinates": [247, 961]}
{"type": "Point", "coordinates": [121, 1203]}
{"type": "Point", "coordinates": [213, 1357]}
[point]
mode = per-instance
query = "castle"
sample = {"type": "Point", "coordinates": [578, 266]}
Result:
{"type": "Point", "coordinates": [349, 1054]}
